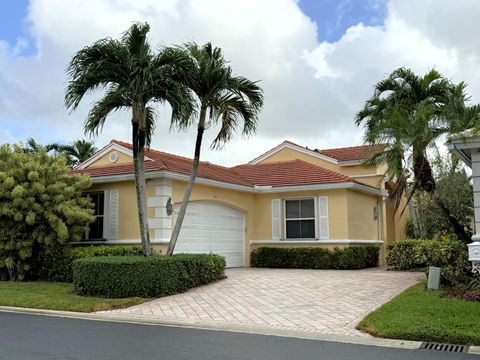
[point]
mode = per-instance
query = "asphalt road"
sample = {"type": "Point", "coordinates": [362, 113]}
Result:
{"type": "Point", "coordinates": [28, 337]}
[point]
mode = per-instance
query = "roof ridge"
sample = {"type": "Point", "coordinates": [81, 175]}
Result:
{"type": "Point", "coordinates": [265, 164]}
{"type": "Point", "coordinates": [350, 147]}
{"type": "Point", "coordinates": [120, 142]}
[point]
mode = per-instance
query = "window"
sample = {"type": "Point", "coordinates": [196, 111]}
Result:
{"type": "Point", "coordinates": [300, 219]}
{"type": "Point", "coordinates": [95, 231]}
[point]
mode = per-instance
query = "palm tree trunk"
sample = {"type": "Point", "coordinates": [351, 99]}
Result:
{"type": "Point", "coordinates": [413, 214]}
{"type": "Point", "coordinates": [188, 190]}
{"type": "Point", "coordinates": [423, 172]}
{"type": "Point", "coordinates": [138, 139]}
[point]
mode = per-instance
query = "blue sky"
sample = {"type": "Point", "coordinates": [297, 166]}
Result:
{"type": "Point", "coordinates": [13, 25]}
{"type": "Point", "coordinates": [333, 17]}
{"type": "Point", "coordinates": [335, 73]}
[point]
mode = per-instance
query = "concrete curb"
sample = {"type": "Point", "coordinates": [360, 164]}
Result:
{"type": "Point", "coordinates": [474, 350]}
{"type": "Point", "coordinates": [357, 340]}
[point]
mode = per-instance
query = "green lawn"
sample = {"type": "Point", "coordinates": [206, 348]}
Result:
{"type": "Point", "coordinates": [419, 314]}
{"type": "Point", "coordinates": [56, 296]}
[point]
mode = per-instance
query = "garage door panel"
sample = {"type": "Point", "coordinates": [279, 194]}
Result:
{"type": "Point", "coordinates": [225, 247]}
{"type": "Point", "coordinates": [192, 249]}
{"type": "Point", "coordinates": [225, 236]}
{"type": "Point", "coordinates": [211, 227]}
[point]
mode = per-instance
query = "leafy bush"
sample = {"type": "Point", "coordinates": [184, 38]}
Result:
{"type": "Point", "coordinates": [471, 296]}
{"type": "Point", "coordinates": [450, 255]}
{"type": "Point", "coordinates": [56, 263]}
{"type": "Point", "coordinates": [459, 289]}
{"type": "Point", "coordinates": [474, 284]}
{"type": "Point", "coordinates": [41, 205]}
{"type": "Point", "coordinates": [401, 255]}
{"type": "Point", "coordinates": [154, 276]}
{"type": "Point", "coordinates": [315, 258]}
{"type": "Point", "coordinates": [439, 213]}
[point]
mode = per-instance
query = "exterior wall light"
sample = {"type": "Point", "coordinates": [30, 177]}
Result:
{"type": "Point", "coordinates": [169, 207]}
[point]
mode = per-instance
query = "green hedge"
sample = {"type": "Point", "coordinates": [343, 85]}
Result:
{"type": "Point", "coordinates": [56, 263]}
{"type": "Point", "coordinates": [154, 276]}
{"type": "Point", "coordinates": [450, 255]}
{"type": "Point", "coordinates": [315, 258]}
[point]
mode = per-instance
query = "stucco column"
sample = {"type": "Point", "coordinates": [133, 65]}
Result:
{"type": "Point", "coordinates": [475, 156]}
{"type": "Point", "coordinates": [162, 222]}
{"type": "Point", "coordinates": [467, 148]}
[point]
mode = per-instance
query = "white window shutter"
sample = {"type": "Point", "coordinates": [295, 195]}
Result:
{"type": "Point", "coordinates": [113, 215]}
{"type": "Point", "coordinates": [276, 219]}
{"type": "Point", "coordinates": [323, 232]}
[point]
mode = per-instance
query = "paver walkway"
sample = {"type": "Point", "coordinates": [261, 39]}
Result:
{"type": "Point", "coordinates": [323, 301]}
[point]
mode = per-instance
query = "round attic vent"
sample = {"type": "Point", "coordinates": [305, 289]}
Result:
{"type": "Point", "coordinates": [113, 156]}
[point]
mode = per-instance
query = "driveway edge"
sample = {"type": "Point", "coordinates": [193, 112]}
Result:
{"type": "Point", "coordinates": [370, 341]}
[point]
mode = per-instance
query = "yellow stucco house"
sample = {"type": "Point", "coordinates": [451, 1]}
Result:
{"type": "Point", "coordinates": [289, 196]}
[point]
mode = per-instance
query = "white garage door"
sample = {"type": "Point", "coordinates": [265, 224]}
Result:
{"type": "Point", "coordinates": [211, 227]}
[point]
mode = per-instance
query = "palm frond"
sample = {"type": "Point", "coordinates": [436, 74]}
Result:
{"type": "Point", "coordinates": [150, 117]}
{"type": "Point", "coordinates": [136, 42]}
{"type": "Point", "coordinates": [113, 100]}
{"type": "Point", "coordinates": [94, 68]}
{"type": "Point", "coordinates": [230, 110]}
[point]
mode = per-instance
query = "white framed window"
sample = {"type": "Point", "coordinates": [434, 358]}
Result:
{"type": "Point", "coordinates": [300, 219]}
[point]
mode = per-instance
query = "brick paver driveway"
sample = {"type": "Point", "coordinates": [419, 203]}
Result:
{"type": "Point", "coordinates": [323, 301]}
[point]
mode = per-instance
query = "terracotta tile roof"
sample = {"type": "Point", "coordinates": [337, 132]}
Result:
{"type": "Point", "coordinates": [288, 173]}
{"type": "Point", "coordinates": [352, 153]}
{"type": "Point", "coordinates": [165, 161]}
{"type": "Point", "coordinates": [340, 154]}
{"type": "Point", "coordinates": [117, 169]}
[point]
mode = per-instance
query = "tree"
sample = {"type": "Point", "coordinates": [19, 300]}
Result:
{"type": "Point", "coordinates": [41, 205]}
{"type": "Point", "coordinates": [76, 152]}
{"type": "Point", "coordinates": [410, 113]}
{"type": "Point", "coordinates": [33, 146]}
{"type": "Point", "coordinates": [222, 98]}
{"type": "Point", "coordinates": [441, 213]}
{"type": "Point", "coordinates": [135, 78]}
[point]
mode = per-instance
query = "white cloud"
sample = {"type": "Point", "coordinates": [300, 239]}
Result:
{"type": "Point", "coordinates": [312, 89]}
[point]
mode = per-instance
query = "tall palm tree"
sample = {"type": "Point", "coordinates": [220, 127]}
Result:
{"type": "Point", "coordinates": [222, 98]}
{"type": "Point", "coordinates": [77, 152]}
{"type": "Point", "coordinates": [409, 113]}
{"type": "Point", "coordinates": [134, 77]}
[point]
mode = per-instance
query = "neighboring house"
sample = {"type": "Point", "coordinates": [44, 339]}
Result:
{"type": "Point", "coordinates": [289, 196]}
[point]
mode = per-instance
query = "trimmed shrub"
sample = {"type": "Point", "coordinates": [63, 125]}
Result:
{"type": "Point", "coordinates": [401, 255]}
{"type": "Point", "coordinates": [153, 276]}
{"type": "Point", "coordinates": [56, 263]}
{"type": "Point", "coordinates": [450, 255]}
{"type": "Point", "coordinates": [315, 258]}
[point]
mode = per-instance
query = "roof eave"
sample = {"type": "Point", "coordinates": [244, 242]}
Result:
{"type": "Point", "coordinates": [244, 188]}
